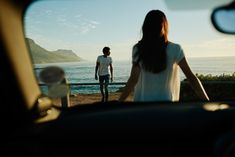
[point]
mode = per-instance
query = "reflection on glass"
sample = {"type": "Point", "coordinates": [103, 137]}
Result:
{"type": "Point", "coordinates": [215, 107]}
{"type": "Point", "coordinates": [54, 78]}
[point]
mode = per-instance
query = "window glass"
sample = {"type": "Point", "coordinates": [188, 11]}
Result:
{"type": "Point", "coordinates": [71, 35]}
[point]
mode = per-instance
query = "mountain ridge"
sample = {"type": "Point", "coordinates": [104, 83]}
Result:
{"type": "Point", "coordinates": [40, 55]}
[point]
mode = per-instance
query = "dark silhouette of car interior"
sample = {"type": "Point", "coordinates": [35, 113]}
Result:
{"type": "Point", "coordinates": [32, 126]}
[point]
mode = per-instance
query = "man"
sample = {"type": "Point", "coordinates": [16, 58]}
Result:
{"type": "Point", "coordinates": [102, 67]}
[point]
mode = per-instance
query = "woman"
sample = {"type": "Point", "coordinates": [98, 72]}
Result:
{"type": "Point", "coordinates": [154, 74]}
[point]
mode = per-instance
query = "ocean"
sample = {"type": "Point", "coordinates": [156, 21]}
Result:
{"type": "Point", "coordinates": [84, 72]}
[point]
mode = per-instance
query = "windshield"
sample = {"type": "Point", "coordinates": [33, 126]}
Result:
{"type": "Point", "coordinates": [72, 34]}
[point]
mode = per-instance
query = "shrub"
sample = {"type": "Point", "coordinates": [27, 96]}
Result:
{"type": "Point", "coordinates": [219, 87]}
{"type": "Point", "coordinates": [223, 77]}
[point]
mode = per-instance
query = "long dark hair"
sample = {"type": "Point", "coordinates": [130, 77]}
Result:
{"type": "Point", "coordinates": [152, 46]}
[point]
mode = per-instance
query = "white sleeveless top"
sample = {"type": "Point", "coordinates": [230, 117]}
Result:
{"type": "Point", "coordinates": [163, 86]}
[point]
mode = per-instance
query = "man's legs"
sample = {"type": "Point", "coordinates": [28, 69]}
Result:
{"type": "Point", "coordinates": [101, 80]}
{"type": "Point", "coordinates": [106, 87]}
{"type": "Point", "coordinates": [104, 81]}
{"type": "Point", "coordinates": [106, 93]}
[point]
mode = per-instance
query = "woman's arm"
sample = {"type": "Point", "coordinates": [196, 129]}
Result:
{"type": "Point", "coordinates": [96, 70]}
{"type": "Point", "coordinates": [193, 80]}
{"type": "Point", "coordinates": [111, 71]}
{"type": "Point", "coordinates": [133, 79]}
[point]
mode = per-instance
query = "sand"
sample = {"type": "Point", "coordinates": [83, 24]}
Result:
{"type": "Point", "coordinates": [82, 99]}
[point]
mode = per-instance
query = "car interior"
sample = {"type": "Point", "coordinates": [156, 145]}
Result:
{"type": "Point", "coordinates": [33, 126]}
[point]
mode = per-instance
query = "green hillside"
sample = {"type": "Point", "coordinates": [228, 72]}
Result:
{"type": "Point", "coordinates": [41, 55]}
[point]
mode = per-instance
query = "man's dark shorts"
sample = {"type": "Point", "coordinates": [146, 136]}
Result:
{"type": "Point", "coordinates": [104, 79]}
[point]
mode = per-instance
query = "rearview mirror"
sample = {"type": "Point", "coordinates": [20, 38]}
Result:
{"type": "Point", "coordinates": [223, 18]}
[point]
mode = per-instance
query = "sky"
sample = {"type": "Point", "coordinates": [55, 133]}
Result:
{"type": "Point", "coordinates": [86, 26]}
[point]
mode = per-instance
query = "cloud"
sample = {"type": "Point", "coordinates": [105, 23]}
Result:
{"type": "Point", "coordinates": [48, 12]}
{"type": "Point", "coordinates": [61, 19]}
{"type": "Point", "coordinates": [94, 22]}
{"type": "Point", "coordinates": [88, 25]}
{"type": "Point", "coordinates": [76, 24]}
{"type": "Point", "coordinates": [78, 16]}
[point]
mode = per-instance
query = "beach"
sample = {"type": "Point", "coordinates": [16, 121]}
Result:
{"type": "Point", "coordinates": [82, 99]}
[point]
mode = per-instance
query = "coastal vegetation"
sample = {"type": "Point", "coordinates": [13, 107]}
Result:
{"type": "Point", "coordinates": [219, 87]}
{"type": "Point", "coordinates": [222, 77]}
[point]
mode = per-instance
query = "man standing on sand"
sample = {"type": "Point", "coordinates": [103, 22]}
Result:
{"type": "Point", "coordinates": [102, 67]}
